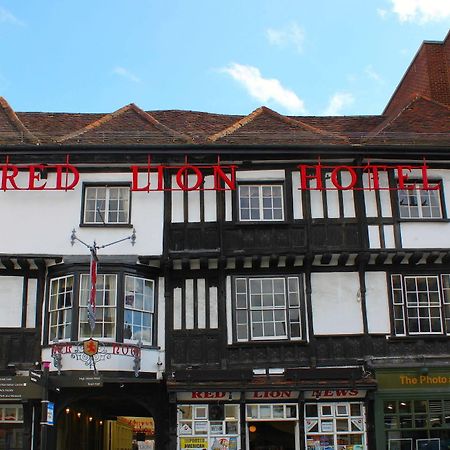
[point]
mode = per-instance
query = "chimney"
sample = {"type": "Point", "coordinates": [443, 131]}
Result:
{"type": "Point", "coordinates": [428, 75]}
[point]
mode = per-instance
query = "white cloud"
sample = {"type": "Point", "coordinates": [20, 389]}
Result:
{"type": "Point", "coordinates": [372, 74]}
{"type": "Point", "coordinates": [8, 17]}
{"type": "Point", "coordinates": [382, 12]}
{"type": "Point", "coordinates": [292, 34]}
{"type": "Point", "coordinates": [265, 89]}
{"type": "Point", "coordinates": [421, 11]}
{"type": "Point", "coordinates": [337, 102]}
{"type": "Point", "coordinates": [125, 73]}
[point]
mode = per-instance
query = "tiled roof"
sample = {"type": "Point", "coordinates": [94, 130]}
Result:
{"type": "Point", "coordinates": [422, 121]}
{"type": "Point", "coordinates": [129, 124]}
{"type": "Point", "coordinates": [267, 126]}
{"type": "Point", "coordinates": [12, 130]}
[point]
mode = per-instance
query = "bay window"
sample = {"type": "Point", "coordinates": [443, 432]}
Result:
{"type": "Point", "coordinates": [124, 308]}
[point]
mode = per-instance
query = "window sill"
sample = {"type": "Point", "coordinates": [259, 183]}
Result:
{"type": "Point", "coordinates": [417, 337]}
{"type": "Point", "coordinates": [261, 222]}
{"type": "Point", "coordinates": [259, 343]}
{"type": "Point", "coordinates": [424, 220]}
{"type": "Point", "coordinates": [106, 225]}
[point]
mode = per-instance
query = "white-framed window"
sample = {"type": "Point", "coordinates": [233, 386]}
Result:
{"type": "Point", "coordinates": [335, 425]}
{"type": "Point", "coordinates": [421, 304]}
{"type": "Point", "coordinates": [105, 306]}
{"type": "Point", "coordinates": [269, 308]}
{"type": "Point", "coordinates": [139, 309]}
{"type": "Point", "coordinates": [419, 203]}
{"type": "Point", "coordinates": [271, 411]}
{"type": "Point", "coordinates": [60, 308]}
{"type": "Point", "coordinates": [109, 205]}
{"type": "Point", "coordinates": [261, 202]}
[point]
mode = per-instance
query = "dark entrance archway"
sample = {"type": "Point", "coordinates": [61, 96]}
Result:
{"type": "Point", "coordinates": [87, 418]}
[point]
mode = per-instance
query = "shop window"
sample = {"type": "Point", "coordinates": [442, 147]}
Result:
{"type": "Point", "coordinates": [107, 205]}
{"type": "Point", "coordinates": [416, 424]}
{"type": "Point", "coordinates": [421, 304]}
{"type": "Point", "coordinates": [269, 308]}
{"type": "Point", "coordinates": [60, 308]}
{"type": "Point", "coordinates": [261, 202]}
{"type": "Point", "coordinates": [418, 203]}
{"type": "Point", "coordinates": [11, 427]}
{"type": "Point", "coordinates": [208, 426]}
{"type": "Point", "coordinates": [139, 309]}
{"type": "Point", "coordinates": [335, 425]}
{"type": "Point", "coordinates": [105, 306]}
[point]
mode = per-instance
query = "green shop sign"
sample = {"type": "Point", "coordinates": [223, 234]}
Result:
{"type": "Point", "coordinates": [416, 379]}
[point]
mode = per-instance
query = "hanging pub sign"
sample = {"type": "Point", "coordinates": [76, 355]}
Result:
{"type": "Point", "coordinates": [193, 177]}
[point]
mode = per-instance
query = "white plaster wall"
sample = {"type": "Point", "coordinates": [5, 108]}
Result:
{"type": "Point", "coordinates": [377, 303]}
{"type": "Point", "coordinates": [161, 316]}
{"type": "Point", "coordinates": [41, 222]}
{"type": "Point", "coordinates": [31, 303]}
{"type": "Point", "coordinates": [11, 289]}
{"type": "Point", "coordinates": [336, 303]}
{"type": "Point", "coordinates": [210, 201]}
{"type": "Point", "coordinates": [193, 202]}
{"type": "Point", "coordinates": [297, 196]}
{"type": "Point", "coordinates": [425, 234]}
{"type": "Point", "coordinates": [374, 236]}
{"type": "Point", "coordinates": [260, 175]}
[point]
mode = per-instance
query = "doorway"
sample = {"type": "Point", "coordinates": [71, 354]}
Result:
{"type": "Point", "coordinates": [274, 435]}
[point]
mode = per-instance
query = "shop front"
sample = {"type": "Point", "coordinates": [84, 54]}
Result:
{"type": "Point", "coordinates": [412, 409]}
{"type": "Point", "coordinates": [335, 419]}
{"type": "Point", "coordinates": [19, 412]}
{"type": "Point", "coordinates": [330, 419]}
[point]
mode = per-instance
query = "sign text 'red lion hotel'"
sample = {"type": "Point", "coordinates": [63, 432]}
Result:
{"type": "Point", "coordinates": [189, 177]}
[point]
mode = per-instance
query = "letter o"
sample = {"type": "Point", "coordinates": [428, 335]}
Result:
{"type": "Point", "coordinates": [182, 172]}
{"type": "Point", "coordinates": [335, 181]}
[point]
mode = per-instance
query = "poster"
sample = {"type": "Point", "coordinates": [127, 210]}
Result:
{"type": "Point", "coordinates": [191, 443]}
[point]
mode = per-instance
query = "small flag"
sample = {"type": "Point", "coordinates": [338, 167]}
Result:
{"type": "Point", "coordinates": [93, 291]}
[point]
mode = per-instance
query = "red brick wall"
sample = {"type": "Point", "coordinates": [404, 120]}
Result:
{"type": "Point", "coordinates": [428, 75]}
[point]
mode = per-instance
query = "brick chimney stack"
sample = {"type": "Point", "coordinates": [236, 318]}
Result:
{"type": "Point", "coordinates": [428, 75]}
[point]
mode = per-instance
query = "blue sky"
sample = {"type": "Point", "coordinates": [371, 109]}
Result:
{"type": "Point", "coordinates": [338, 57]}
